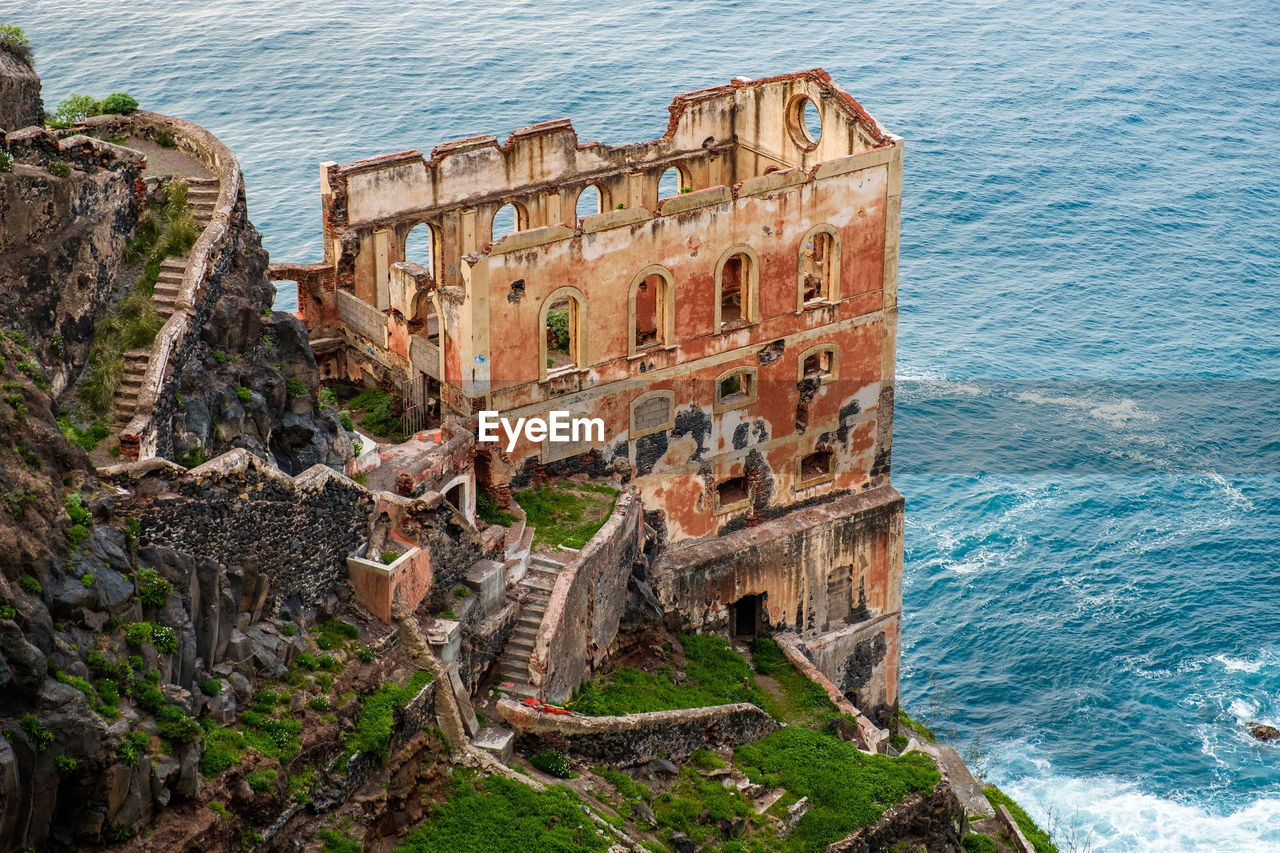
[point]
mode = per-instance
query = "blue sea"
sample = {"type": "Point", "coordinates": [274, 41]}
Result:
{"type": "Point", "coordinates": [1089, 354]}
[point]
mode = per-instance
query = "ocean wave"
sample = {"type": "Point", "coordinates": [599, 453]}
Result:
{"type": "Point", "coordinates": [1106, 814]}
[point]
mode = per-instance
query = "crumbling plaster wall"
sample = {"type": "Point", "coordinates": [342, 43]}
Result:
{"type": "Point", "coordinates": [821, 568]}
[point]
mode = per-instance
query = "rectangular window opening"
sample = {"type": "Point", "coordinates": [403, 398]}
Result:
{"type": "Point", "coordinates": [732, 491]}
{"type": "Point", "coordinates": [816, 466]}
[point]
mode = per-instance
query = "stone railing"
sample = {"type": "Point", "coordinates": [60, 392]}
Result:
{"type": "Point", "coordinates": [586, 604]}
{"type": "Point", "coordinates": [139, 437]}
{"type": "Point", "coordinates": [637, 738]}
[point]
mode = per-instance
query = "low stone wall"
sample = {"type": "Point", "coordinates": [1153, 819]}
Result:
{"type": "Point", "coordinates": [142, 437]}
{"type": "Point", "coordinates": [586, 604]}
{"type": "Point", "coordinates": [637, 738]}
{"type": "Point", "coordinates": [239, 510]}
{"type": "Point", "coordinates": [870, 736]}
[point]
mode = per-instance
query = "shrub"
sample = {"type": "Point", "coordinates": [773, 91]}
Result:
{"type": "Point", "coordinates": [13, 40]}
{"type": "Point", "coordinates": [39, 736]}
{"type": "Point", "coordinates": [223, 748]}
{"type": "Point", "coordinates": [72, 109]}
{"type": "Point", "coordinates": [218, 808]}
{"type": "Point", "coordinates": [265, 701]}
{"type": "Point", "coordinates": [306, 661]}
{"type": "Point", "coordinates": [77, 533]}
{"type": "Point", "coordinates": [108, 691]}
{"type": "Point", "coordinates": [552, 762]}
{"type": "Point", "coordinates": [139, 320]}
{"type": "Point", "coordinates": [294, 387]}
{"type": "Point", "coordinates": [138, 633]}
{"type": "Point", "coordinates": [164, 639]}
{"type": "Point", "coordinates": [251, 718]}
{"type": "Point", "coordinates": [288, 629]}
{"type": "Point", "coordinates": [320, 703]}
{"type": "Point", "coordinates": [389, 557]}
{"type": "Point", "coordinates": [6, 162]}
{"type": "Point", "coordinates": [87, 579]}
{"type": "Point", "coordinates": [153, 590]}
{"type": "Point", "coordinates": [176, 725]}
{"type": "Point", "coordinates": [243, 393]}
{"type": "Point", "coordinates": [149, 697]}
{"type": "Point", "coordinates": [365, 654]}
{"type": "Point", "coordinates": [8, 612]}
{"type": "Point", "coordinates": [74, 504]}
{"type": "Point", "coordinates": [30, 584]}
{"type": "Point", "coordinates": [60, 169]}
{"type": "Point", "coordinates": [98, 392]}
{"type": "Point", "coordinates": [381, 412]}
{"type": "Point", "coordinates": [344, 418]}
{"type": "Point", "coordinates": [163, 137]}
{"type": "Point", "coordinates": [461, 592]}
{"type": "Point", "coordinates": [211, 687]}
{"type": "Point", "coordinates": [558, 329]}
{"type": "Point", "coordinates": [329, 663]}
{"type": "Point", "coordinates": [121, 103]}
{"type": "Point", "coordinates": [131, 748]}
{"type": "Point", "coordinates": [65, 764]}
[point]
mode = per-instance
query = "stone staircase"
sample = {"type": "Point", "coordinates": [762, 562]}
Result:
{"type": "Point", "coordinates": [202, 198]}
{"type": "Point", "coordinates": [536, 588]}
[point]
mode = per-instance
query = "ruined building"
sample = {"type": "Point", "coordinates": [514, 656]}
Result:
{"type": "Point", "coordinates": [724, 298]}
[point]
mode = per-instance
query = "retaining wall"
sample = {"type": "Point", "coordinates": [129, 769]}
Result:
{"type": "Point", "coordinates": [638, 738]}
{"type": "Point", "coordinates": [240, 510]}
{"type": "Point", "coordinates": [586, 604]}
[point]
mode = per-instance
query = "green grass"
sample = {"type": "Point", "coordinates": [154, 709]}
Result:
{"type": "Point", "coordinates": [1038, 837]}
{"type": "Point", "coordinates": [566, 513]}
{"type": "Point", "coordinates": [847, 788]}
{"type": "Point", "coordinates": [976, 842]}
{"type": "Point", "coordinates": [86, 438]}
{"type": "Point", "coordinates": [802, 701]}
{"type": "Point", "coordinates": [382, 413]}
{"type": "Point", "coordinates": [905, 722]}
{"type": "Point", "coordinates": [488, 511]}
{"type": "Point", "coordinates": [377, 710]}
{"type": "Point", "coordinates": [506, 815]}
{"type": "Point", "coordinates": [714, 675]}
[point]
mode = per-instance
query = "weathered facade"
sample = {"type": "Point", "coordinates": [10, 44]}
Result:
{"type": "Point", "coordinates": [735, 331]}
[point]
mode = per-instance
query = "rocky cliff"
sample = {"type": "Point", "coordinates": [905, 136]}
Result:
{"type": "Point", "coordinates": [20, 104]}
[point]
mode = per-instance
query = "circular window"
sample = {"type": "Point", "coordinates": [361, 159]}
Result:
{"type": "Point", "coordinates": [804, 122]}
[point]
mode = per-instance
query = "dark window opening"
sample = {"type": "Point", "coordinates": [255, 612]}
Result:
{"type": "Point", "coordinates": [732, 491]}
{"type": "Point", "coordinates": [747, 616]}
{"type": "Point", "coordinates": [455, 497]}
{"type": "Point", "coordinates": [815, 466]}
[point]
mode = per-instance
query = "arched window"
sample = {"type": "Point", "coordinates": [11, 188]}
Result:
{"type": "Point", "coordinates": [421, 246]}
{"type": "Point", "coordinates": [735, 389]}
{"type": "Point", "coordinates": [509, 219]}
{"type": "Point", "coordinates": [673, 182]}
{"type": "Point", "coordinates": [819, 267]}
{"type": "Point", "coordinates": [651, 309]}
{"type": "Point", "coordinates": [590, 202]}
{"type": "Point", "coordinates": [737, 277]}
{"type": "Point", "coordinates": [820, 363]}
{"type": "Point", "coordinates": [562, 324]}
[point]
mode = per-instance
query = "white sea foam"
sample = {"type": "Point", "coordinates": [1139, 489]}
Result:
{"type": "Point", "coordinates": [1108, 815]}
{"type": "Point", "coordinates": [1115, 412]}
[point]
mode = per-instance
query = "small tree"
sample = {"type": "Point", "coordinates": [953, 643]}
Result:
{"type": "Point", "coordinates": [14, 42]}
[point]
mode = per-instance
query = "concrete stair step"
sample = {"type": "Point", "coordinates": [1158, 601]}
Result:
{"type": "Point", "coordinates": [537, 583]}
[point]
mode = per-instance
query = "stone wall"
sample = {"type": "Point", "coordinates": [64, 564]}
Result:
{"type": "Point", "coordinates": [586, 603]}
{"type": "Point", "coordinates": [637, 738]}
{"type": "Point", "coordinates": [240, 510]}
{"type": "Point", "coordinates": [819, 569]}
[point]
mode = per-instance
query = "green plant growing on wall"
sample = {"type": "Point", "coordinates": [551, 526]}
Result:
{"type": "Point", "coordinates": [59, 169]}
{"type": "Point", "coordinates": [131, 748]}
{"type": "Point", "coordinates": [153, 590]}
{"type": "Point", "coordinates": [30, 584]}
{"type": "Point", "coordinates": [15, 42]}
{"type": "Point", "coordinates": [39, 736]}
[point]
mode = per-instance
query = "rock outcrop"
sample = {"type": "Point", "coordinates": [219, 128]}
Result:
{"type": "Point", "coordinates": [20, 104]}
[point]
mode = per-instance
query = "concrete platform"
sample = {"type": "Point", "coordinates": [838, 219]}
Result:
{"type": "Point", "coordinates": [498, 742]}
